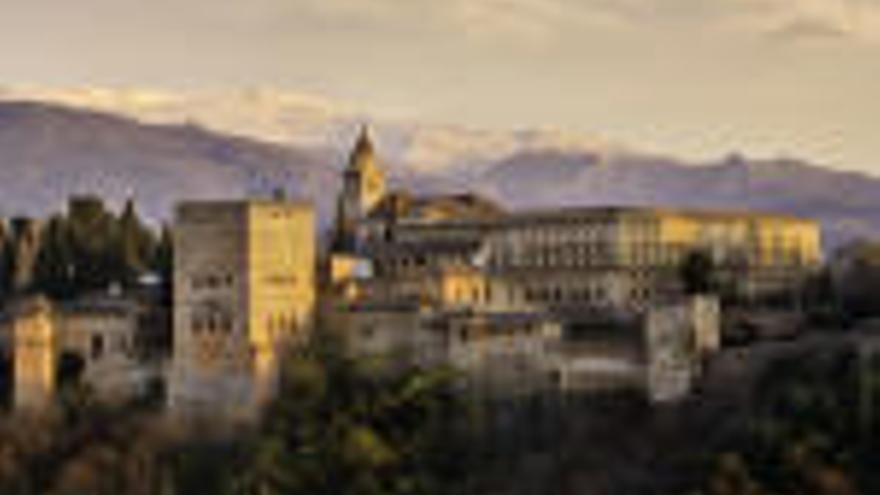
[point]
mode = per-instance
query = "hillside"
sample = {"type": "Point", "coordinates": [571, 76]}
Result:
{"type": "Point", "coordinates": [848, 204]}
{"type": "Point", "coordinates": [48, 152]}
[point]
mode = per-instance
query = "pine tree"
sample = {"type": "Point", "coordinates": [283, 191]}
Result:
{"type": "Point", "coordinates": [135, 245]}
{"type": "Point", "coordinates": [55, 268]}
{"type": "Point", "coordinates": [162, 263]}
{"type": "Point", "coordinates": [93, 231]}
{"type": "Point", "coordinates": [5, 264]}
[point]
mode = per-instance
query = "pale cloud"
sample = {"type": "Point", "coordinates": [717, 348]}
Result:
{"type": "Point", "coordinates": [524, 20]}
{"type": "Point", "coordinates": [544, 20]}
{"type": "Point", "coordinates": [783, 19]}
{"type": "Point", "coordinates": [814, 19]}
{"type": "Point", "coordinates": [809, 29]}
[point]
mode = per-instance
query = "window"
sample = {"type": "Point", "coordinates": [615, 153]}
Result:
{"type": "Point", "coordinates": [97, 346]}
{"type": "Point", "coordinates": [226, 323]}
{"type": "Point", "coordinates": [196, 323]}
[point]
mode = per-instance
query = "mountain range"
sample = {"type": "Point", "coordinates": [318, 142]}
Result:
{"type": "Point", "coordinates": [158, 150]}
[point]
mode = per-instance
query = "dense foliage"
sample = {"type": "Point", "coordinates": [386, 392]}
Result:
{"type": "Point", "coordinates": [338, 426]}
{"type": "Point", "coordinates": [697, 272]}
{"type": "Point", "coordinates": [87, 249]}
{"type": "Point", "coordinates": [856, 279]}
{"type": "Point", "coordinates": [348, 426]}
{"type": "Point", "coordinates": [813, 430]}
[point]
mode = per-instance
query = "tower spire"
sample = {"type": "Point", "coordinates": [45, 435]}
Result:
{"type": "Point", "coordinates": [363, 187]}
{"type": "Point", "coordinates": [363, 148]}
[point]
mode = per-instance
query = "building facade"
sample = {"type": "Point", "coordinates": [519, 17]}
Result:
{"type": "Point", "coordinates": [478, 280]}
{"type": "Point", "coordinates": [569, 260]}
{"type": "Point", "coordinates": [244, 290]}
{"type": "Point", "coordinates": [621, 259]}
{"type": "Point", "coordinates": [91, 341]}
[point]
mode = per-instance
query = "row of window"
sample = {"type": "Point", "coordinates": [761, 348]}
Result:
{"type": "Point", "coordinates": [206, 322]}
{"type": "Point", "coordinates": [555, 234]}
{"type": "Point", "coordinates": [280, 324]}
{"type": "Point", "coordinates": [211, 322]}
{"type": "Point", "coordinates": [472, 295]}
{"type": "Point", "coordinates": [558, 295]}
{"type": "Point", "coordinates": [572, 254]}
{"type": "Point", "coordinates": [211, 281]}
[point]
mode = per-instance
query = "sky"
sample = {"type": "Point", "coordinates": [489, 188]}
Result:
{"type": "Point", "coordinates": [693, 78]}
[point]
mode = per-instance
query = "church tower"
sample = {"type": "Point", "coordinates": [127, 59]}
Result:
{"type": "Point", "coordinates": [363, 187]}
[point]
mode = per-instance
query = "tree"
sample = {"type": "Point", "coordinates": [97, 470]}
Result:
{"type": "Point", "coordinates": [856, 276]}
{"type": "Point", "coordinates": [162, 264]}
{"type": "Point", "coordinates": [341, 425]}
{"type": "Point", "coordinates": [6, 265]}
{"type": "Point", "coordinates": [55, 263]}
{"type": "Point", "coordinates": [92, 232]}
{"type": "Point", "coordinates": [698, 273]}
{"type": "Point", "coordinates": [135, 245]}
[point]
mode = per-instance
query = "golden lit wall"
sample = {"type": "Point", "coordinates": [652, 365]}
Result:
{"type": "Point", "coordinates": [34, 358]}
{"type": "Point", "coordinates": [281, 276]}
{"type": "Point", "coordinates": [244, 284]}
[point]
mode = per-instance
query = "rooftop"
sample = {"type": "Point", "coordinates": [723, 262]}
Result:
{"type": "Point", "coordinates": [608, 212]}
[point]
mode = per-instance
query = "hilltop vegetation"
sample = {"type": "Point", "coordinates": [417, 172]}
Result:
{"type": "Point", "coordinates": [84, 250]}
{"type": "Point", "coordinates": [338, 426]}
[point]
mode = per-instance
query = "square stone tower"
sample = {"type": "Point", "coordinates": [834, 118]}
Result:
{"type": "Point", "coordinates": [244, 290]}
{"type": "Point", "coordinates": [34, 336]}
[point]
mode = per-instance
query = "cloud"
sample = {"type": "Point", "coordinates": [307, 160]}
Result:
{"type": "Point", "coordinates": [524, 20]}
{"type": "Point", "coordinates": [788, 19]}
{"type": "Point", "coordinates": [822, 19]}
{"type": "Point", "coordinates": [543, 21]}
{"type": "Point", "coordinates": [809, 29]}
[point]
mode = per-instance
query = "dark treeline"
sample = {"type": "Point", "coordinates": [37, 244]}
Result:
{"type": "Point", "coordinates": [854, 277]}
{"type": "Point", "coordinates": [810, 430]}
{"type": "Point", "coordinates": [349, 427]}
{"type": "Point", "coordinates": [88, 248]}
{"type": "Point", "coordinates": [338, 426]}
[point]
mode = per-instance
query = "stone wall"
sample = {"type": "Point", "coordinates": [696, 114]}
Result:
{"type": "Point", "coordinates": [679, 337]}
{"type": "Point", "coordinates": [245, 289]}
{"type": "Point", "coordinates": [99, 337]}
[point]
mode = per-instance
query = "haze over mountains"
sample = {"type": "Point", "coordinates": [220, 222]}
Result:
{"type": "Point", "coordinates": [160, 147]}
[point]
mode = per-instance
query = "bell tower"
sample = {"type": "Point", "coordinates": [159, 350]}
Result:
{"type": "Point", "coordinates": [363, 187]}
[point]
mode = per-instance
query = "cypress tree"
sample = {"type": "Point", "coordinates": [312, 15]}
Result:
{"type": "Point", "coordinates": [135, 246]}
{"type": "Point", "coordinates": [55, 271]}
{"type": "Point", "coordinates": [163, 263]}
{"type": "Point", "coordinates": [93, 231]}
{"type": "Point", "coordinates": [5, 263]}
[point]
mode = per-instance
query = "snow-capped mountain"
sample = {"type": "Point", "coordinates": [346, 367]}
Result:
{"type": "Point", "coordinates": [160, 149]}
{"type": "Point", "coordinates": [306, 120]}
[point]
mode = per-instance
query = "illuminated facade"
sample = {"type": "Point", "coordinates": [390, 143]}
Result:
{"type": "Point", "coordinates": [244, 290]}
{"type": "Point", "coordinates": [598, 259]}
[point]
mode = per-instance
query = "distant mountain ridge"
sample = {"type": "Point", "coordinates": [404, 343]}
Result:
{"type": "Point", "coordinates": [49, 152]}
{"type": "Point", "coordinates": [306, 120]}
